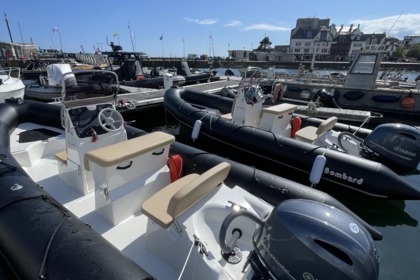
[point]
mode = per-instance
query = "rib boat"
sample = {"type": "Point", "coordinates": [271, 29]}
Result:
{"type": "Point", "coordinates": [12, 88]}
{"type": "Point", "coordinates": [368, 161]}
{"type": "Point", "coordinates": [85, 196]}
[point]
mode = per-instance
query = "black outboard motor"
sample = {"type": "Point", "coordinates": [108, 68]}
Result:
{"type": "Point", "coordinates": [304, 239]}
{"type": "Point", "coordinates": [395, 145]}
{"type": "Point", "coordinates": [155, 72]}
{"type": "Point", "coordinates": [326, 97]}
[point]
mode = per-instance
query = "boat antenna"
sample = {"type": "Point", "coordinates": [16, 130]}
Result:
{"type": "Point", "coordinates": [394, 23]}
{"type": "Point", "coordinates": [387, 33]}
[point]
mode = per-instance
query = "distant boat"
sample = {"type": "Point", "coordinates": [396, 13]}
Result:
{"type": "Point", "coordinates": [11, 85]}
{"type": "Point", "coordinates": [131, 73]}
{"type": "Point", "coordinates": [48, 88]}
{"type": "Point", "coordinates": [194, 76]}
{"type": "Point", "coordinates": [359, 89]}
{"type": "Point", "coordinates": [34, 69]}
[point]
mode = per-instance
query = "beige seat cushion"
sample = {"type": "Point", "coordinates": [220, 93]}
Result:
{"type": "Point", "coordinates": [311, 133]}
{"type": "Point", "coordinates": [170, 202]}
{"type": "Point", "coordinates": [326, 125]}
{"type": "Point", "coordinates": [279, 109]}
{"type": "Point", "coordinates": [126, 150]}
{"type": "Point", "coordinates": [156, 207]}
{"type": "Point", "coordinates": [307, 134]}
{"type": "Point", "coordinates": [61, 157]}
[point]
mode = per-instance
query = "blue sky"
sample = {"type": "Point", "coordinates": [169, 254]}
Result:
{"type": "Point", "coordinates": [191, 26]}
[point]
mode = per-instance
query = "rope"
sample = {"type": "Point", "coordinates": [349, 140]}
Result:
{"type": "Point", "coordinates": [41, 275]}
{"type": "Point", "coordinates": [311, 109]}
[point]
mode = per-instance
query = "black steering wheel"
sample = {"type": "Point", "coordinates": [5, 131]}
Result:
{"type": "Point", "coordinates": [110, 119]}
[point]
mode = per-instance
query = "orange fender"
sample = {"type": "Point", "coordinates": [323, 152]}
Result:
{"type": "Point", "coordinates": [408, 103]}
{"type": "Point", "coordinates": [175, 167]}
{"type": "Point", "coordinates": [296, 123]}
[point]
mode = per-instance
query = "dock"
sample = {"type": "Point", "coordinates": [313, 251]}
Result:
{"type": "Point", "coordinates": [341, 114]}
{"type": "Point", "coordinates": [139, 99]}
{"type": "Point", "coordinates": [134, 99]}
{"type": "Point", "coordinates": [349, 115]}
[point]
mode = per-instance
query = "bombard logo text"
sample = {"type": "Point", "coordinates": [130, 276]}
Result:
{"type": "Point", "coordinates": [343, 176]}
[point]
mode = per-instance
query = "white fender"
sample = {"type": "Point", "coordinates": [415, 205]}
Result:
{"type": "Point", "coordinates": [317, 169]}
{"type": "Point", "coordinates": [196, 130]}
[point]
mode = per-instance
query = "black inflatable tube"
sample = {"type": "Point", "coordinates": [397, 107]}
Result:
{"type": "Point", "coordinates": [375, 178]}
{"type": "Point", "coordinates": [39, 238]}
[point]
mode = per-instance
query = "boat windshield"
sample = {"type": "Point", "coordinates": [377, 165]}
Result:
{"type": "Point", "coordinates": [9, 72]}
{"type": "Point", "coordinates": [252, 77]}
{"type": "Point", "coordinates": [365, 64]}
{"type": "Point", "coordinates": [86, 87]}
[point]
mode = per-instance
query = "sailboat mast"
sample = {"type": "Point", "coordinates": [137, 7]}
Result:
{"type": "Point", "coordinates": [8, 28]}
{"type": "Point", "coordinates": [131, 37]}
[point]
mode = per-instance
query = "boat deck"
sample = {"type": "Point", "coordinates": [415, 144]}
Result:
{"type": "Point", "coordinates": [136, 236]}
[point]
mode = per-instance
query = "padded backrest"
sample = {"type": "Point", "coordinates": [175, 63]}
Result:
{"type": "Point", "coordinates": [326, 125]}
{"type": "Point", "coordinates": [197, 189]}
{"type": "Point", "coordinates": [168, 203]}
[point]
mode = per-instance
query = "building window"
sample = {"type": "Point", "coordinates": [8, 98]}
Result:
{"type": "Point", "coordinates": [307, 43]}
{"type": "Point", "coordinates": [297, 50]}
{"type": "Point", "coordinates": [297, 44]}
{"type": "Point", "coordinates": [306, 50]}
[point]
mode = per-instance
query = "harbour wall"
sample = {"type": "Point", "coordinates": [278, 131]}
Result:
{"type": "Point", "coordinates": [204, 64]}
{"type": "Point", "coordinates": [333, 65]}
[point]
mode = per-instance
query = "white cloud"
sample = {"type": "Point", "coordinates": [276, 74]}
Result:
{"type": "Point", "coordinates": [233, 23]}
{"type": "Point", "coordinates": [202, 21]}
{"type": "Point", "coordinates": [397, 26]}
{"type": "Point", "coordinates": [267, 27]}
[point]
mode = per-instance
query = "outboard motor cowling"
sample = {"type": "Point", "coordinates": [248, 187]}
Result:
{"type": "Point", "coordinates": [395, 145]}
{"type": "Point", "coordinates": [304, 239]}
{"type": "Point", "coordinates": [326, 97]}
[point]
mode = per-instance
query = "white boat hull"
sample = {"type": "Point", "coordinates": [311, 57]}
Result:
{"type": "Point", "coordinates": [10, 87]}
